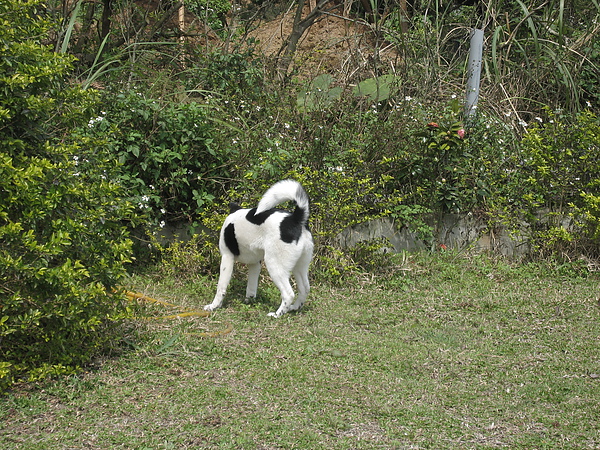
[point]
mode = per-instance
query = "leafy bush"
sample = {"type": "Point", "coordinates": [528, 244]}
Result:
{"type": "Point", "coordinates": [589, 214]}
{"type": "Point", "coordinates": [550, 180]}
{"type": "Point", "coordinates": [439, 168]}
{"type": "Point", "coordinates": [442, 163]}
{"type": "Point", "coordinates": [170, 165]}
{"type": "Point", "coordinates": [63, 246]}
{"type": "Point", "coordinates": [561, 155]}
{"type": "Point", "coordinates": [564, 175]}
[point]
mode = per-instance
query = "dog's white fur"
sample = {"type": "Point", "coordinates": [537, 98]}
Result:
{"type": "Point", "coordinates": [279, 238]}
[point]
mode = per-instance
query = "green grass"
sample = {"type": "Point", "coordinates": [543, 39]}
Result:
{"type": "Point", "coordinates": [453, 352]}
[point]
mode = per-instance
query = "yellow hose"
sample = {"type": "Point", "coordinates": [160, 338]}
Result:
{"type": "Point", "coordinates": [133, 296]}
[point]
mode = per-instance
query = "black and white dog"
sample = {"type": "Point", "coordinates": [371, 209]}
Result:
{"type": "Point", "coordinates": [279, 238]}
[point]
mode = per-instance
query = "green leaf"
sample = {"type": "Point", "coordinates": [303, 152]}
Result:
{"type": "Point", "coordinates": [318, 94]}
{"type": "Point", "coordinates": [375, 89]}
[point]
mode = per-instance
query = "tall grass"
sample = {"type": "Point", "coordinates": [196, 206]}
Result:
{"type": "Point", "coordinates": [534, 52]}
{"type": "Point", "coordinates": [535, 55]}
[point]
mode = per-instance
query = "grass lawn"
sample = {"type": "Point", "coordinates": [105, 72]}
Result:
{"type": "Point", "coordinates": [453, 352]}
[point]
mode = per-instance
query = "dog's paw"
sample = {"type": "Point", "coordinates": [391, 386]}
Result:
{"type": "Point", "coordinates": [209, 307]}
{"type": "Point", "coordinates": [274, 314]}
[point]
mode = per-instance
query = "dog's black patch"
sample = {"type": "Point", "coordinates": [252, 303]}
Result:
{"type": "Point", "coordinates": [230, 240]}
{"type": "Point", "coordinates": [259, 219]}
{"type": "Point", "coordinates": [290, 228]}
{"type": "Point", "coordinates": [233, 207]}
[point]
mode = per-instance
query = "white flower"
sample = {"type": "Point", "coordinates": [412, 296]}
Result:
{"type": "Point", "coordinates": [93, 121]}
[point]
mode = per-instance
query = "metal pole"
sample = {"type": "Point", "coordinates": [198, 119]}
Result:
{"type": "Point", "coordinates": [475, 58]}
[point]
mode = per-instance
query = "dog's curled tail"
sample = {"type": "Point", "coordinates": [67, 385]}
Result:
{"type": "Point", "coordinates": [283, 191]}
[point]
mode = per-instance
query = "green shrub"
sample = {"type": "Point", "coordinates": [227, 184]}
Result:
{"type": "Point", "coordinates": [441, 168]}
{"type": "Point", "coordinates": [443, 161]}
{"type": "Point", "coordinates": [63, 245]}
{"type": "Point", "coordinates": [561, 156]}
{"type": "Point", "coordinates": [589, 214]}
{"type": "Point", "coordinates": [553, 182]}
{"type": "Point", "coordinates": [169, 163]}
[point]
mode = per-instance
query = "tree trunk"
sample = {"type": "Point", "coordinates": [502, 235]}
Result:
{"type": "Point", "coordinates": [299, 28]}
{"type": "Point", "coordinates": [106, 18]}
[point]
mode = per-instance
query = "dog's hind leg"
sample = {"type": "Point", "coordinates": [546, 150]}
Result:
{"type": "Point", "coordinates": [227, 262]}
{"type": "Point", "coordinates": [287, 297]}
{"type": "Point", "coordinates": [281, 278]}
{"type": "Point", "coordinates": [253, 276]}
{"type": "Point", "coordinates": [301, 277]}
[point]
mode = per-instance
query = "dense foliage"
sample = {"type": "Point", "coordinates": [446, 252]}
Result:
{"type": "Point", "coordinates": [63, 244]}
{"type": "Point", "coordinates": [169, 163]}
{"type": "Point", "coordinates": [561, 174]}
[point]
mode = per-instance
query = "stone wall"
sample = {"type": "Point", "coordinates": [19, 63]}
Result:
{"type": "Point", "coordinates": [451, 230]}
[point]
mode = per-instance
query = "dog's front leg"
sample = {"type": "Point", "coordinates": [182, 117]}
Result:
{"type": "Point", "coordinates": [226, 271]}
{"type": "Point", "coordinates": [253, 276]}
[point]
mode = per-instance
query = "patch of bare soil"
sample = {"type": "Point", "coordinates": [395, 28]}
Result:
{"type": "Point", "coordinates": [339, 45]}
